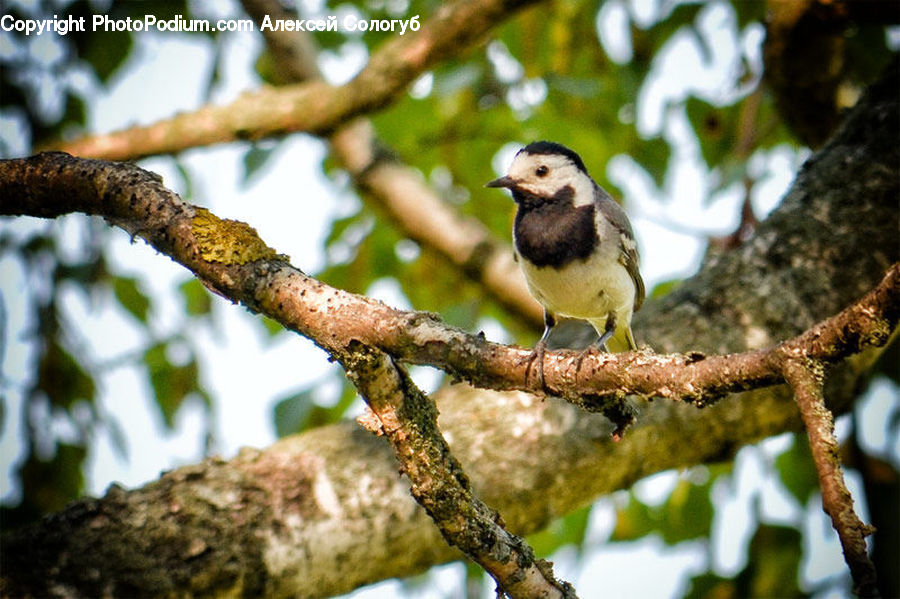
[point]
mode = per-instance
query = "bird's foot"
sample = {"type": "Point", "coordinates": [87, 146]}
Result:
{"type": "Point", "coordinates": [537, 354]}
{"type": "Point", "coordinates": [590, 349]}
{"type": "Point", "coordinates": [585, 352]}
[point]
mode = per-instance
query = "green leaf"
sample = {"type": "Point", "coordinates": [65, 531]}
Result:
{"type": "Point", "coordinates": [106, 51]}
{"type": "Point", "coordinates": [888, 363]}
{"type": "Point", "coordinates": [711, 586]}
{"type": "Point", "coordinates": [797, 470]}
{"type": "Point", "coordinates": [772, 563]}
{"type": "Point", "coordinates": [343, 226]}
{"type": "Point", "coordinates": [62, 378]}
{"type": "Point", "coordinates": [715, 128]}
{"type": "Point", "coordinates": [568, 530]}
{"type": "Point", "coordinates": [171, 383]}
{"type": "Point", "coordinates": [255, 159]}
{"type": "Point", "coordinates": [374, 258]}
{"type": "Point", "coordinates": [270, 326]}
{"type": "Point", "coordinates": [197, 301]}
{"type": "Point", "coordinates": [133, 299]}
{"type": "Point", "coordinates": [664, 287]}
{"type": "Point", "coordinates": [53, 483]}
{"type": "Point", "coordinates": [653, 154]}
{"type": "Point", "coordinates": [299, 411]}
{"type": "Point", "coordinates": [867, 51]}
{"type": "Point", "coordinates": [687, 514]}
{"type": "Point", "coordinates": [291, 412]}
{"type": "Point", "coordinates": [648, 43]}
{"type": "Point", "coordinates": [76, 111]}
{"type": "Point", "coordinates": [748, 13]}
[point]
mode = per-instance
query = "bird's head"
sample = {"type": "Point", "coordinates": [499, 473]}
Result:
{"type": "Point", "coordinates": [545, 169]}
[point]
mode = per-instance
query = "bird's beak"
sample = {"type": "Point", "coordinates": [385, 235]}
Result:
{"type": "Point", "coordinates": [504, 181]}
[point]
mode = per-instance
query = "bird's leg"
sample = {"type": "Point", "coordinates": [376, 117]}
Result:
{"type": "Point", "coordinates": [608, 332]}
{"type": "Point", "coordinates": [600, 343]}
{"type": "Point", "coordinates": [538, 352]}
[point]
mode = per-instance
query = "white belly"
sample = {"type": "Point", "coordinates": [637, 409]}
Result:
{"type": "Point", "coordinates": [588, 290]}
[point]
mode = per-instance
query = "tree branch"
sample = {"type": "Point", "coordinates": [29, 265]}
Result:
{"type": "Point", "coordinates": [408, 418]}
{"type": "Point", "coordinates": [241, 267]}
{"type": "Point", "coordinates": [806, 377]}
{"type": "Point", "coordinates": [314, 107]}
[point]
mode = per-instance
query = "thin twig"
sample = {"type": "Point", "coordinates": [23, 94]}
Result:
{"type": "Point", "coordinates": [408, 418]}
{"type": "Point", "coordinates": [806, 377]}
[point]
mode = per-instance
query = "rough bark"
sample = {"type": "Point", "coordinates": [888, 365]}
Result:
{"type": "Point", "coordinates": [326, 511]}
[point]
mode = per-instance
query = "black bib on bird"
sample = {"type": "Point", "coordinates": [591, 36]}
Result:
{"type": "Point", "coordinates": [552, 232]}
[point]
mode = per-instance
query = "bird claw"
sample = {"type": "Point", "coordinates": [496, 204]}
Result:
{"type": "Point", "coordinates": [585, 352]}
{"type": "Point", "coordinates": [600, 347]}
{"type": "Point", "coordinates": [536, 354]}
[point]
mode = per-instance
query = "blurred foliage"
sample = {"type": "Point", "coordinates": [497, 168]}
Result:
{"type": "Point", "coordinates": [685, 515]}
{"type": "Point", "coordinates": [546, 74]}
{"type": "Point", "coordinates": [570, 530]}
{"type": "Point", "coordinates": [40, 88]}
{"type": "Point", "coordinates": [300, 411]}
{"type": "Point", "coordinates": [796, 470]}
{"type": "Point", "coordinates": [37, 80]}
{"type": "Point", "coordinates": [197, 301]}
{"type": "Point", "coordinates": [773, 561]}
{"type": "Point", "coordinates": [62, 395]}
{"type": "Point", "coordinates": [173, 381]}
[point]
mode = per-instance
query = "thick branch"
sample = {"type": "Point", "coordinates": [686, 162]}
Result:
{"type": "Point", "coordinates": [229, 256]}
{"type": "Point", "coordinates": [313, 107]}
{"type": "Point", "coordinates": [806, 377]}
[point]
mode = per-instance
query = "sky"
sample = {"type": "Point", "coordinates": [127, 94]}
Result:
{"type": "Point", "coordinates": [250, 371]}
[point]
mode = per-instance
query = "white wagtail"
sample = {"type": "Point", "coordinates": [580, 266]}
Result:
{"type": "Point", "coordinates": [575, 246]}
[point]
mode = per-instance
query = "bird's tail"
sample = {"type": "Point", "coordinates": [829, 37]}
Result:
{"type": "Point", "coordinates": [621, 341]}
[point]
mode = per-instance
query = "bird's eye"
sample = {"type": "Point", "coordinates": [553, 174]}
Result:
{"type": "Point", "coordinates": [541, 171]}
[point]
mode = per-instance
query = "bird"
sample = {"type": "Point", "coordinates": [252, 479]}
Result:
{"type": "Point", "coordinates": [575, 246]}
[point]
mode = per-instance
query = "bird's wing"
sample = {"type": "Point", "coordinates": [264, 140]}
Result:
{"type": "Point", "coordinates": [628, 245]}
